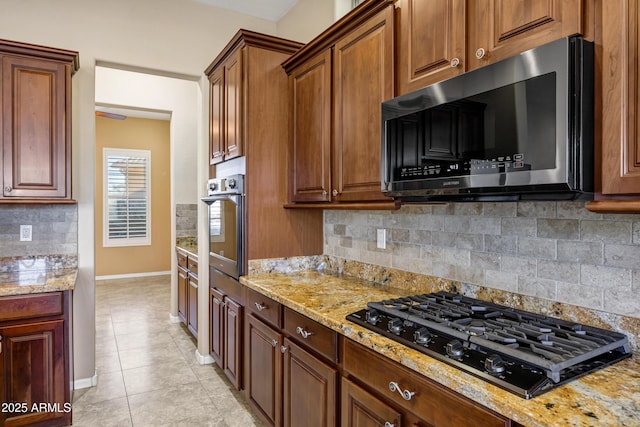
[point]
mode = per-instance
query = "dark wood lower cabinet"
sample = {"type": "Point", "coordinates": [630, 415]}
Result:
{"type": "Point", "coordinates": [361, 409]}
{"type": "Point", "coordinates": [192, 298]}
{"type": "Point", "coordinates": [226, 335]}
{"type": "Point", "coordinates": [310, 389]}
{"type": "Point", "coordinates": [34, 361]}
{"type": "Point", "coordinates": [183, 284]}
{"type": "Point", "coordinates": [264, 370]}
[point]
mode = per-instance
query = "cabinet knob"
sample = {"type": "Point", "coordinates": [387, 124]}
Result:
{"type": "Point", "coordinates": [324, 192]}
{"type": "Point", "coordinates": [335, 192]}
{"type": "Point", "coordinates": [8, 189]}
{"type": "Point", "coordinates": [274, 343]}
{"type": "Point", "coordinates": [304, 334]}
{"type": "Point", "coordinates": [283, 349]}
{"type": "Point", "coordinates": [259, 306]}
{"type": "Point", "coordinates": [406, 394]}
{"type": "Point", "coordinates": [455, 62]}
{"type": "Point", "coordinates": [480, 53]}
{"type": "Point", "coordinates": [388, 424]}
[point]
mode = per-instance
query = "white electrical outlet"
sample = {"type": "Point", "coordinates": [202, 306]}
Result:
{"type": "Point", "coordinates": [382, 238]}
{"type": "Point", "coordinates": [25, 233]}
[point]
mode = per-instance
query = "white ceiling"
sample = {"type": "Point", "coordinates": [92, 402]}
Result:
{"type": "Point", "coordinates": [271, 10]}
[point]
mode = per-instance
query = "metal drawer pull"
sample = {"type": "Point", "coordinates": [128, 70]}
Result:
{"type": "Point", "coordinates": [406, 394]}
{"type": "Point", "coordinates": [388, 424]}
{"type": "Point", "coordinates": [304, 334]}
{"type": "Point", "coordinates": [259, 306]}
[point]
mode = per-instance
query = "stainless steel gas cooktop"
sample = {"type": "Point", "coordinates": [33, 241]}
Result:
{"type": "Point", "coordinates": [524, 353]}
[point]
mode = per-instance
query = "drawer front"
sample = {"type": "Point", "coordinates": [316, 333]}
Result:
{"type": "Point", "coordinates": [33, 305]}
{"type": "Point", "coordinates": [264, 307]}
{"type": "Point", "coordinates": [312, 334]}
{"type": "Point", "coordinates": [431, 401]}
{"type": "Point", "coordinates": [183, 260]}
{"type": "Point", "coordinates": [192, 265]}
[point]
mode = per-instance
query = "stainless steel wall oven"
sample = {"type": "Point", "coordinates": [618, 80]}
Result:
{"type": "Point", "coordinates": [226, 201]}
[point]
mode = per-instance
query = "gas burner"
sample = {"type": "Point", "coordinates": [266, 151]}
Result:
{"type": "Point", "coordinates": [525, 353]}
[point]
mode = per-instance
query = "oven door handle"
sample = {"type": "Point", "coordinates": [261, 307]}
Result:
{"type": "Point", "coordinates": [212, 199]}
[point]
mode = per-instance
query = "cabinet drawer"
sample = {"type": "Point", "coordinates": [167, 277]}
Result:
{"type": "Point", "coordinates": [312, 334]}
{"type": "Point", "coordinates": [433, 402]}
{"type": "Point", "coordinates": [183, 260]}
{"type": "Point", "coordinates": [264, 307]}
{"type": "Point", "coordinates": [192, 265]}
{"type": "Point", "coordinates": [33, 305]}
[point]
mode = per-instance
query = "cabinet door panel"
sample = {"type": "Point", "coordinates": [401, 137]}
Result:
{"type": "Point", "coordinates": [216, 331]}
{"type": "Point", "coordinates": [183, 285]}
{"type": "Point", "coordinates": [425, 52]}
{"type": "Point", "coordinates": [192, 311]}
{"type": "Point", "coordinates": [620, 98]}
{"type": "Point", "coordinates": [233, 343]}
{"type": "Point", "coordinates": [361, 409]}
{"type": "Point", "coordinates": [35, 148]}
{"type": "Point", "coordinates": [363, 78]}
{"type": "Point", "coordinates": [504, 28]}
{"type": "Point", "coordinates": [309, 389]}
{"type": "Point", "coordinates": [32, 369]}
{"type": "Point", "coordinates": [216, 116]}
{"type": "Point", "coordinates": [264, 370]}
{"type": "Point", "coordinates": [233, 106]}
{"type": "Point", "coordinates": [310, 86]}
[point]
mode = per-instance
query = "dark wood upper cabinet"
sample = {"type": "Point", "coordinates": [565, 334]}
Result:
{"type": "Point", "coordinates": [430, 53]}
{"type": "Point", "coordinates": [337, 83]}
{"type": "Point", "coordinates": [35, 122]}
{"type": "Point", "coordinates": [499, 29]}
{"type": "Point", "coordinates": [618, 102]}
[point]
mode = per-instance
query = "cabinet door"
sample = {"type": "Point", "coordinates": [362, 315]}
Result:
{"type": "Point", "coordinates": [183, 285]}
{"type": "Point", "coordinates": [431, 45]}
{"type": "Point", "coordinates": [192, 311]}
{"type": "Point", "coordinates": [216, 327]}
{"type": "Point", "coordinates": [310, 385]}
{"type": "Point", "coordinates": [35, 149]}
{"type": "Point", "coordinates": [503, 28]}
{"type": "Point", "coordinates": [310, 88]}
{"type": "Point", "coordinates": [233, 102]}
{"type": "Point", "coordinates": [216, 116]}
{"type": "Point", "coordinates": [264, 370]}
{"type": "Point", "coordinates": [620, 98]}
{"type": "Point", "coordinates": [363, 78]}
{"type": "Point", "coordinates": [32, 372]}
{"type": "Point", "coordinates": [233, 341]}
{"type": "Point", "coordinates": [361, 409]}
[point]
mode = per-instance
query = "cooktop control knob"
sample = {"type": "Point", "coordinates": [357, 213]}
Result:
{"type": "Point", "coordinates": [455, 348]}
{"type": "Point", "coordinates": [422, 336]}
{"type": "Point", "coordinates": [395, 326]}
{"type": "Point", "coordinates": [494, 364]}
{"type": "Point", "coordinates": [372, 316]}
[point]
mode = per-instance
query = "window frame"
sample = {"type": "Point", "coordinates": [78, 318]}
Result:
{"type": "Point", "coordinates": [126, 241]}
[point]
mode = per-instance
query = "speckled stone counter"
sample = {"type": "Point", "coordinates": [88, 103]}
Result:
{"type": "Point", "coordinates": [37, 274]}
{"type": "Point", "coordinates": [188, 244]}
{"type": "Point", "coordinates": [609, 397]}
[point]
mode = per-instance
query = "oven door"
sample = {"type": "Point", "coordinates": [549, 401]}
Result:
{"type": "Point", "coordinates": [226, 233]}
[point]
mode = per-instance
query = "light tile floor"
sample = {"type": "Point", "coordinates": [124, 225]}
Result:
{"type": "Point", "coordinates": [147, 371]}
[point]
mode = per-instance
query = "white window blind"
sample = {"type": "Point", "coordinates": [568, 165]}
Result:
{"type": "Point", "coordinates": [127, 197]}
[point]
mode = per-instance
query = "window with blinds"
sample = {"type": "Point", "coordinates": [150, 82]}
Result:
{"type": "Point", "coordinates": [127, 197]}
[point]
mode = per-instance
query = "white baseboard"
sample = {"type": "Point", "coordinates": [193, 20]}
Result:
{"type": "Point", "coordinates": [133, 275]}
{"type": "Point", "coordinates": [174, 319]}
{"type": "Point", "coordinates": [86, 382]}
{"type": "Point", "coordinates": [204, 360]}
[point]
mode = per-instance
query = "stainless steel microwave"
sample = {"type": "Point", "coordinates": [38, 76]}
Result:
{"type": "Point", "coordinates": [518, 129]}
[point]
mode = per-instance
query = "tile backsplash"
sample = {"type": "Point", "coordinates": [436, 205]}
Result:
{"type": "Point", "coordinates": [557, 251]}
{"type": "Point", "coordinates": [54, 230]}
{"type": "Point", "coordinates": [186, 220]}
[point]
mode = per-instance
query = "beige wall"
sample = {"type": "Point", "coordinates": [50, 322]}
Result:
{"type": "Point", "coordinates": [139, 134]}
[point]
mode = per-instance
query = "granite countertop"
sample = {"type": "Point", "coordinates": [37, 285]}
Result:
{"type": "Point", "coordinates": [30, 275]}
{"type": "Point", "coordinates": [610, 396]}
{"type": "Point", "coordinates": [188, 244]}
